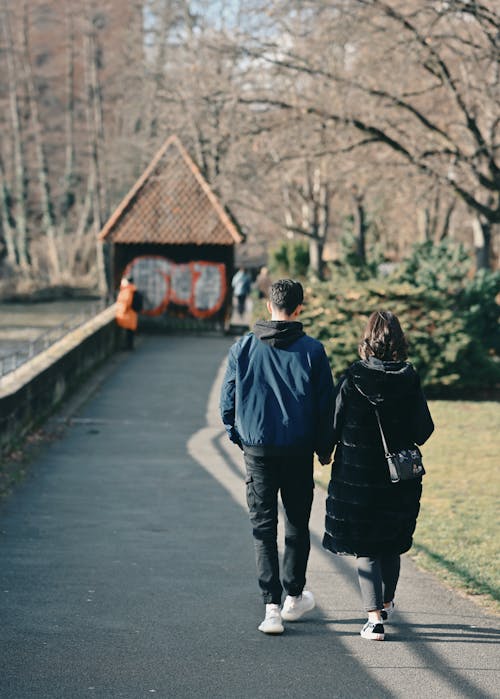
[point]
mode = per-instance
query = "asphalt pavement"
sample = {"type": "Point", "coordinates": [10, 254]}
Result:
{"type": "Point", "coordinates": [127, 568]}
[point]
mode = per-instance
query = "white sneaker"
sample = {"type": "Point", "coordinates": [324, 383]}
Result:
{"type": "Point", "coordinates": [295, 607]}
{"type": "Point", "coordinates": [272, 623]}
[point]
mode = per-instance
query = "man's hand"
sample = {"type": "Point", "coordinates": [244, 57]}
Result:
{"type": "Point", "coordinates": [324, 459]}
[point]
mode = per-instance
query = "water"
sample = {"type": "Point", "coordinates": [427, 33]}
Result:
{"type": "Point", "coordinates": [23, 323]}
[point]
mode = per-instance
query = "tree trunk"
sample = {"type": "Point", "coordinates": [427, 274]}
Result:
{"type": "Point", "coordinates": [68, 196]}
{"type": "Point", "coordinates": [314, 215]}
{"type": "Point", "coordinates": [93, 128]}
{"type": "Point", "coordinates": [323, 222]}
{"type": "Point", "coordinates": [84, 220]}
{"type": "Point", "coordinates": [151, 107]}
{"type": "Point", "coordinates": [316, 246]}
{"type": "Point", "coordinates": [445, 232]}
{"type": "Point", "coordinates": [20, 178]}
{"type": "Point", "coordinates": [482, 242]}
{"type": "Point", "coordinates": [360, 226]}
{"type": "Point", "coordinates": [8, 225]}
{"type": "Point", "coordinates": [45, 197]}
{"type": "Point", "coordinates": [101, 177]}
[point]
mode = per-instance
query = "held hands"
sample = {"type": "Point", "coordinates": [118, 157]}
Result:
{"type": "Point", "coordinates": [324, 459]}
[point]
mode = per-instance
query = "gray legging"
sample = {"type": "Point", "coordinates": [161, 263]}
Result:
{"type": "Point", "coordinates": [378, 577]}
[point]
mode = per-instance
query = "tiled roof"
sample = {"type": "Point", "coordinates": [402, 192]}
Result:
{"type": "Point", "coordinates": [171, 203]}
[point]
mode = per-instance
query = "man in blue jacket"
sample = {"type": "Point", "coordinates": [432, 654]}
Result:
{"type": "Point", "coordinates": [277, 406]}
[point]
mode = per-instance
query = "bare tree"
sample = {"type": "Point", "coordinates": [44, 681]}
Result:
{"type": "Point", "coordinates": [7, 221]}
{"type": "Point", "coordinates": [95, 135]}
{"type": "Point", "coordinates": [46, 203]}
{"type": "Point", "coordinates": [68, 194]}
{"type": "Point", "coordinates": [391, 106]}
{"type": "Point", "coordinates": [419, 80]}
{"type": "Point", "coordinates": [17, 215]}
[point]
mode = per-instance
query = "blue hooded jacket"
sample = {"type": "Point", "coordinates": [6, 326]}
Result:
{"type": "Point", "coordinates": [278, 390]}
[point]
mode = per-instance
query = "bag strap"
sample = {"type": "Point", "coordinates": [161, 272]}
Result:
{"type": "Point", "coordinates": [394, 475]}
{"type": "Point", "coordinates": [392, 469]}
{"type": "Point", "coordinates": [384, 441]}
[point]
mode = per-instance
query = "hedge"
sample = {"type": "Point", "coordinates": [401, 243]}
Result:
{"type": "Point", "coordinates": [453, 335]}
{"type": "Point", "coordinates": [451, 319]}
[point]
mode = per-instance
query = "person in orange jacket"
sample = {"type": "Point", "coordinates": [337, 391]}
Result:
{"type": "Point", "coordinates": [128, 303]}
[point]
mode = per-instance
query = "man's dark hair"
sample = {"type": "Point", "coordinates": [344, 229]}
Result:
{"type": "Point", "coordinates": [286, 295]}
{"type": "Point", "coordinates": [384, 338]}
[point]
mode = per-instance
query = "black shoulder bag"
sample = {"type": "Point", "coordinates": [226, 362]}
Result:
{"type": "Point", "coordinates": [405, 464]}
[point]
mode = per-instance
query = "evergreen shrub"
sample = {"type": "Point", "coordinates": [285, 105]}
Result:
{"type": "Point", "coordinates": [289, 259]}
{"type": "Point", "coordinates": [451, 320]}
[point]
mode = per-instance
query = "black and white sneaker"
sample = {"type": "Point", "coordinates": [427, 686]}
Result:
{"type": "Point", "coordinates": [373, 631]}
{"type": "Point", "coordinates": [387, 611]}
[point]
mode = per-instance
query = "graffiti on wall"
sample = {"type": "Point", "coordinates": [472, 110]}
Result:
{"type": "Point", "coordinates": [198, 287]}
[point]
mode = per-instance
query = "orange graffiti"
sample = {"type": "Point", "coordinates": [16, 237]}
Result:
{"type": "Point", "coordinates": [199, 286]}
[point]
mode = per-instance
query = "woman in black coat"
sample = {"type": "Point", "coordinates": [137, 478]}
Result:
{"type": "Point", "coordinates": [367, 515]}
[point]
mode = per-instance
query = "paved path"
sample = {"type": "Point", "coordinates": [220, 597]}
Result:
{"type": "Point", "coordinates": [126, 568]}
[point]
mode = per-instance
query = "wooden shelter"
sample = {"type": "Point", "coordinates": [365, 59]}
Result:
{"type": "Point", "coordinates": [172, 235]}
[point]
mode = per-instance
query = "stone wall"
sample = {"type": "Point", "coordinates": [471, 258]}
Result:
{"type": "Point", "coordinates": [32, 392]}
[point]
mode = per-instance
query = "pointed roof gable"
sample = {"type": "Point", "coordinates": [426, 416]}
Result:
{"type": "Point", "coordinates": [171, 203]}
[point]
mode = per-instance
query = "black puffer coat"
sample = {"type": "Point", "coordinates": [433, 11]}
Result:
{"type": "Point", "coordinates": [366, 514]}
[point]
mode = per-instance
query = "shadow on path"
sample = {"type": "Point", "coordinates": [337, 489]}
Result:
{"type": "Point", "coordinates": [126, 566]}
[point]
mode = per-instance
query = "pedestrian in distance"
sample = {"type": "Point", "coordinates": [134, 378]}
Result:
{"type": "Point", "coordinates": [128, 304]}
{"type": "Point", "coordinates": [368, 515]}
{"type": "Point", "coordinates": [241, 284]}
{"type": "Point", "coordinates": [277, 406]}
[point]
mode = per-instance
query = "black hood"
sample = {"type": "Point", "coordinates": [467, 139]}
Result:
{"type": "Point", "coordinates": [278, 333]}
{"type": "Point", "coordinates": [383, 382]}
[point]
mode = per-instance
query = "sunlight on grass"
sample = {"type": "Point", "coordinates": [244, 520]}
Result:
{"type": "Point", "coordinates": [458, 530]}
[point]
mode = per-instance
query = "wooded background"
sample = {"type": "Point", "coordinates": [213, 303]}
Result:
{"type": "Point", "coordinates": [311, 119]}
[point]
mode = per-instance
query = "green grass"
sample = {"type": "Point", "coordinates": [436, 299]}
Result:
{"type": "Point", "coordinates": [458, 530]}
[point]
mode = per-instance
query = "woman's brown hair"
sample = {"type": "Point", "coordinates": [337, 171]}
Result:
{"type": "Point", "coordinates": [383, 338]}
